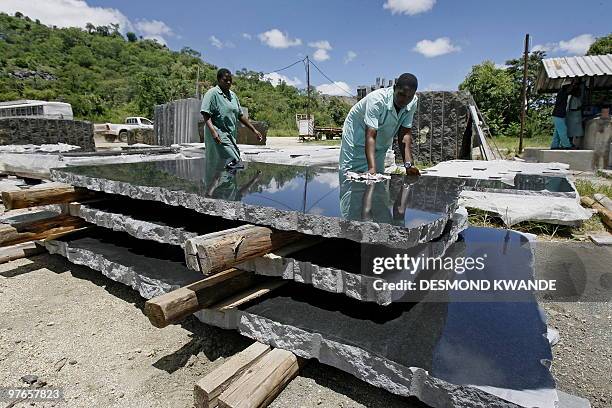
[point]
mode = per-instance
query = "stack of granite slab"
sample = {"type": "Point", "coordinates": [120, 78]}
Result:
{"type": "Point", "coordinates": [436, 346]}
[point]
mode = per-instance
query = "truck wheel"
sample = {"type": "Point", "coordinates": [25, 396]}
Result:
{"type": "Point", "coordinates": [123, 136]}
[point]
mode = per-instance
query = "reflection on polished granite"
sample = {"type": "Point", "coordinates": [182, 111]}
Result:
{"type": "Point", "coordinates": [497, 348]}
{"type": "Point", "coordinates": [399, 212]}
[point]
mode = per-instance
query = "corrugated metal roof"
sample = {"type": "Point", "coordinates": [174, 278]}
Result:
{"type": "Point", "coordinates": [554, 72]}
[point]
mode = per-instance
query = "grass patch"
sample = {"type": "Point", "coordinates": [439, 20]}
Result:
{"type": "Point", "coordinates": [333, 142]}
{"type": "Point", "coordinates": [588, 189]}
{"type": "Point", "coordinates": [545, 231]}
{"type": "Point", "coordinates": [282, 132]}
{"type": "Point", "coordinates": [508, 145]}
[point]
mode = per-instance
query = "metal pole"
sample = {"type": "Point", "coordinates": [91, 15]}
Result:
{"type": "Point", "coordinates": [524, 93]}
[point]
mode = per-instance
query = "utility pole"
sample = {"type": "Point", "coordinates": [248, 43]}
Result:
{"type": "Point", "coordinates": [308, 91]}
{"type": "Point", "coordinates": [524, 93]}
{"type": "Point", "coordinates": [197, 84]}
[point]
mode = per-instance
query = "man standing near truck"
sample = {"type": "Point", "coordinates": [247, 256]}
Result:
{"type": "Point", "coordinates": [374, 121]}
{"type": "Point", "coordinates": [221, 110]}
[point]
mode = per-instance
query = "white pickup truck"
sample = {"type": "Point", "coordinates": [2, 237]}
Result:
{"type": "Point", "coordinates": [120, 131]}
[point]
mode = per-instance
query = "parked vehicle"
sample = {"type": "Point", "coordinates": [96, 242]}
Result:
{"type": "Point", "coordinates": [36, 109]}
{"type": "Point", "coordinates": [112, 131]}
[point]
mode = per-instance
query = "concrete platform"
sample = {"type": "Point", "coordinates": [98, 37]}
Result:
{"type": "Point", "coordinates": [581, 160]}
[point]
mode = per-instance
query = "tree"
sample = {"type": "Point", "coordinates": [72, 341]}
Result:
{"type": "Point", "coordinates": [90, 28]}
{"type": "Point", "coordinates": [494, 92]}
{"type": "Point", "coordinates": [601, 46]}
{"type": "Point", "coordinates": [131, 37]}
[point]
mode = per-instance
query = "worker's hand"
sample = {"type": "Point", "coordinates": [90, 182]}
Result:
{"type": "Point", "coordinates": [216, 138]}
{"type": "Point", "coordinates": [259, 135]}
{"type": "Point", "coordinates": [371, 171]}
{"type": "Point", "coordinates": [413, 171]}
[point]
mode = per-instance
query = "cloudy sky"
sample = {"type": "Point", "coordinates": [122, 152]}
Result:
{"type": "Point", "coordinates": [351, 41]}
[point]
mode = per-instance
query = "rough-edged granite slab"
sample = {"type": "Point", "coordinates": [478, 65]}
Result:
{"type": "Point", "coordinates": [336, 265]}
{"type": "Point", "coordinates": [150, 268]}
{"type": "Point", "coordinates": [149, 220]}
{"type": "Point", "coordinates": [447, 354]}
{"type": "Point", "coordinates": [399, 212]}
{"type": "Point", "coordinates": [332, 265]}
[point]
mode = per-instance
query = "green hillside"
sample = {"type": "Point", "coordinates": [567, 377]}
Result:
{"type": "Point", "coordinates": [107, 77]}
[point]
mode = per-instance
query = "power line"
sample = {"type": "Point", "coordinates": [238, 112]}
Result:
{"type": "Point", "coordinates": [287, 67]}
{"type": "Point", "coordinates": [331, 80]}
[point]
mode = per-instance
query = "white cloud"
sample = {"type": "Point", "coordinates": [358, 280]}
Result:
{"type": "Point", "coordinates": [338, 88]}
{"type": "Point", "coordinates": [66, 13]}
{"type": "Point", "coordinates": [578, 45]}
{"type": "Point", "coordinates": [247, 36]}
{"type": "Point", "coordinates": [350, 56]}
{"type": "Point", "coordinates": [275, 79]}
{"type": "Point", "coordinates": [77, 13]}
{"type": "Point", "coordinates": [410, 7]}
{"type": "Point", "coordinates": [320, 55]}
{"type": "Point", "coordinates": [543, 47]}
{"type": "Point", "coordinates": [215, 42]}
{"type": "Point", "coordinates": [322, 50]}
{"type": "Point", "coordinates": [277, 39]}
{"type": "Point", "coordinates": [154, 30]}
{"type": "Point", "coordinates": [323, 44]}
{"type": "Point", "coordinates": [436, 47]}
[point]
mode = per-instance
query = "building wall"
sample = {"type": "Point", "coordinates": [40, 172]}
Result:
{"type": "Point", "coordinates": [38, 131]}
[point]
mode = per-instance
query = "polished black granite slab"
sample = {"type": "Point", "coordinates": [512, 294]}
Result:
{"type": "Point", "coordinates": [523, 183]}
{"type": "Point", "coordinates": [400, 212]}
{"type": "Point", "coordinates": [499, 348]}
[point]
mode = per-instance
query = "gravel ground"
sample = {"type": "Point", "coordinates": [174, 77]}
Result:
{"type": "Point", "coordinates": [76, 329]}
{"type": "Point", "coordinates": [582, 360]}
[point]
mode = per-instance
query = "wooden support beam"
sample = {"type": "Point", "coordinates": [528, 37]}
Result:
{"type": "Point", "coordinates": [208, 389]}
{"type": "Point", "coordinates": [263, 381]}
{"type": "Point", "coordinates": [44, 194]}
{"type": "Point", "coordinates": [249, 294]}
{"type": "Point", "coordinates": [173, 306]}
{"type": "Point", "coordinates": [604, 213]}
{"type": "Point", "coordinates": [224, 249]}
{"type": "Point", "coordinates": [19, 251]}
{"type": "Point", "coordinates": [39, 229]}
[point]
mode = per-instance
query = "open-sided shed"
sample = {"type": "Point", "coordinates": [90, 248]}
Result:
{"type": "Point", "coordinates": [595, 70]}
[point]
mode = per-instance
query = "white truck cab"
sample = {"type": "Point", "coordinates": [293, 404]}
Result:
{"type": "Point", "coordinates": [113, 131]}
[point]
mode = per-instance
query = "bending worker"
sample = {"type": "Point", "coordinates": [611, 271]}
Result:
{"type": "Point", "coordinates": [373, 122]}
{"type": "Point", "coordinates": [221, 110]}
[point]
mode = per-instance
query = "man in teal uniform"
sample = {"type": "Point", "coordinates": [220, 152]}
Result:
{"type": "Point", "coordinates": [221, 110]}
{"type": "Point", "coordinates": [374, 121]}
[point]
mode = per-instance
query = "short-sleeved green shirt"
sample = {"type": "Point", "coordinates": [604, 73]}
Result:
{"type": "Point", "coordinates": [224, 113]}
{"type": "Point", "coordinates": [375, 111]}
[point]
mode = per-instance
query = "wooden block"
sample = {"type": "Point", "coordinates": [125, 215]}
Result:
{"type": "Point", "coordinates": [44, 194]}
{"type": "Point", "coordinates": [19, 251]}
{"type": "Point", "coordinates": [173, 306]}
{"type": "Point", "coordinates": [224, 249]}
{"type": "Point", "coordinates": [604, 213]}
{"type": "Point", "coordinates": [39, 229]}
{"type": "Point", "coordinates": [603, 200]}
{"type": "Point", "coordinates": [208, 389]}
{"type": "Point", "coordinates": [262, 382]}
{"type": "Point", "coordinates": [251, 293]}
